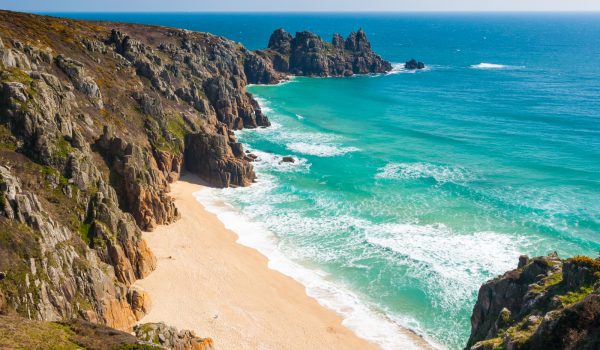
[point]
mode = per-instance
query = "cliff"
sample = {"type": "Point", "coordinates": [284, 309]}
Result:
{"type": "Point", "coordinates": [307, 54]}
{"type": "Point", "coordinates": [96, 119]}
{"type": "Point", "coordinates": [94, 125]}
{"type": "Point", "coordinates": [546, 303]}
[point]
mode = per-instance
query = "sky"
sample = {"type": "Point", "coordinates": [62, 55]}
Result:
{"type": "Point", "coordinates": [296, 5]}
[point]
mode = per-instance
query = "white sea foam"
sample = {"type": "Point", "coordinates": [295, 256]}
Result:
{"type": "Point", "coordinates": [420, 170]}
{"type": "Point", "coordinates": [368, 324]}
{"type": "Point", "coordinates": [452, 266]}
{"type": "Point", "coordinates": [263, 104]}
{"type": "Point", "coordinates": [275, 162]}
{"type": "Point", "coordinates": [485, 65]}
{"type": "Point", "coordinates": [320, 150]}
{"type": "Point", "coordinates": [312, 143]}
{"type": "Point", "coordinates": [449, 266]}
{"type": "Point", "coordinates": [398, 68]}
{"type": "Point", "coordinates": [290, 79]}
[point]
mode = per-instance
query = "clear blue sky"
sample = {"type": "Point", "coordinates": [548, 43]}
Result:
{"type": "Point", "coordinates": [297, 5]}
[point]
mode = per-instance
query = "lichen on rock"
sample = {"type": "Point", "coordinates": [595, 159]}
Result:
{"type": "Point", "coordinates": [546, 303]}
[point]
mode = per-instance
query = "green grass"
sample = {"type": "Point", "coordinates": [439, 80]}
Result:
{"type": "Point", "coordinates": [573, 297]}
{"type": "Point", "coordinates": [493, 343]}
{"type": "Point", "coordinates": [7, 140]}
{"type": "Point", "coordinates": [13, 74]}
{"type": "Point", "coordinates": [548, 282]}
{"type": "Point", "coordinates": [64, 148]}
{"type": "Point", "coordinates": [21, 333]}
{"type": "Point", "coordinates": [85, 231]}
{"type": "Point", "coordinates": [176, 127]}
{"type": "Point", "coordinates": [521, 332]}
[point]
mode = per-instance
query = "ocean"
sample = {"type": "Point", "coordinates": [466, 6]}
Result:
{"type": "Point", "coordinates": [411, 189]}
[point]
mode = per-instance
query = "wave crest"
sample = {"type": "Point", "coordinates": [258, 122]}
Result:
{"type": "Point", "coordinates": [486, 65]}
{"type": "Point", "coordinates": [451, 266]}
{"type": "Point", "coordinates": [320, 150]}
{"type": "Point", "coordinates": [414, 171]}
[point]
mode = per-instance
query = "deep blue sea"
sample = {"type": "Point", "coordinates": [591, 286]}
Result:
{"type": "Point", "coordinates": [409, 189]}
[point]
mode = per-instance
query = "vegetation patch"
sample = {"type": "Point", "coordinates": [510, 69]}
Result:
{"type": "Point", "coordinates": [13, 74]}
{"type": "Point", "coordinates": [18, 244]}
{"type": "Point", "coordinates": [21, 333]}
{"type": "Point", "coordinates": [523, 330]}
{"type": "Point", "coordinates": [64, 148]}
{"type": "Point", "coordinates": [7, 140]}
{"type": "Point", "coordinates": [85, 231]}
{"type": "Point", "coordinates": [176, 127]}
{"type": "Point", "coordinates": [586, 261]}
{"type": "Point", "coordinates": [573, 297]}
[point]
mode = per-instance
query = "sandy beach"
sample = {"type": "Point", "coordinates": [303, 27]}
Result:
{"type": "Point", "coordinates": [208, 283]}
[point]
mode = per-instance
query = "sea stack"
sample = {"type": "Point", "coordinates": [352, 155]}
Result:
{"type": "Point", "coordinates": [414, 64]}
{"type": "Point", "coordinates": [306, 54]}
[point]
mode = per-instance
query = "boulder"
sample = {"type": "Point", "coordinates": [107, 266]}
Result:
{"type": "Point", "coordinates": [414, 65]}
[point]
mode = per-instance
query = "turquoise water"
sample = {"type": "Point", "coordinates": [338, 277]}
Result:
{"type": "Point", "coordinates": [409, 190]}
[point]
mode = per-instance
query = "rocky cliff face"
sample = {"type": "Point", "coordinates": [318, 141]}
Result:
{"type": "Point", "coordinates": [95, 122]}
{"type": "Point", "coordinates": [546, 303]}
{"type": "Point", "coordinates": [307, 54]}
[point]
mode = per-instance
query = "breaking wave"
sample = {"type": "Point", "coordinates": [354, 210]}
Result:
{"type": "Point", "coordinates": [420, 170]}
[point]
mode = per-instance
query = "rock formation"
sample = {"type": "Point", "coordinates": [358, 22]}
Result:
{"type": "Point", "coordinates": [171, 338]}
{"type": "Point", "coordinates": [308, 55]}
{"type": "Point", "coordinates": [546, 303]}
{"type": "Point", "coordinates": [413, 65]}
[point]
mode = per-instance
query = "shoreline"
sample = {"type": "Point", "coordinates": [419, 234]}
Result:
{"type": "Point", "coordinates": [208, 282]}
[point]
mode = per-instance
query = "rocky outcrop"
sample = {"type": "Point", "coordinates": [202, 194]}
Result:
{"type": "Point", "coordinates": [546, 303]}
{"type": "Point", "coordinates": [37, 284]}
{"type": "Point", "coordinates": [76, 72]}
{"type": "Point", "coordinates": [142, 186]}
{"type": "Point", "coordinates": [170, 338]}
{"type": "Point", "coordinates": [218, 158]}
{"type": "Point", "coordinates": [308, 55]}
{"type": "Point", "coordinates": [414, 65]}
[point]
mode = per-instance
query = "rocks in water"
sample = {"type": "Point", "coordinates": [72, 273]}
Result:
{"type": "Point", "coordinates": [308, 55]}
{"type": "Point", "coordinates": [288, 159]}
{"type": "Point", "coordinates": [414, 64]}
{"type": "Point", "coordinates": [546, 303]}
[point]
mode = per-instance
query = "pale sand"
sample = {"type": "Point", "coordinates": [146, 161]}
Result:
{"type": "Point", "coordinates": [208, 283]}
